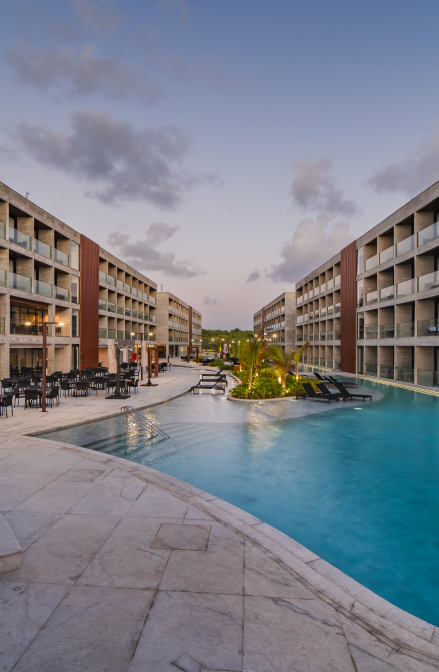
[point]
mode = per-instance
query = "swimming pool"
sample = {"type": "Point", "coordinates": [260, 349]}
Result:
{"type": "Point", "coordinates": [359, 486]}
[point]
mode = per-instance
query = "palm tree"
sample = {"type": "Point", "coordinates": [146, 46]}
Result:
{"type": "Point", "coordinates": [253, 354]}
{"type": "Point", "coordinates": [281, 362]}
{"type": "Point", "coordinates": [298, 356]}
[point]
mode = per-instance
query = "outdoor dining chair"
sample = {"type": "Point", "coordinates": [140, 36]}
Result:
{"type": "Point", "coordinates": [7, 403]}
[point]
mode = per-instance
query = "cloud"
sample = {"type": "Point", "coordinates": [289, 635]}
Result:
{"type": "Point", "coordinates": [207, 301]}
{"type": "Point", "coordinates": [82, 72]}
{"type": "Point", "coordinates": [101, 16]}
{"type": "Point", "coordinates": [315, 189]}
{"type": "Point", "coordinates": [178, 69]}
{"type": "Point", "coordinates": [414, 173]}
{"type": "Point", "coordinates": [171, 8]}
{"type": "Point", "coordinates": [254, 276]}
{"type": "Point", "coordinates": [144, 255]}
{"type": "Point", "coordinates": [313, 242]}
{"type": "Point", "coordinates": [127, 163]}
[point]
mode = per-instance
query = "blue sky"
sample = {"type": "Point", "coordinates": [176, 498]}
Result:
{"type": "Point", "coordinates": [224, 148]}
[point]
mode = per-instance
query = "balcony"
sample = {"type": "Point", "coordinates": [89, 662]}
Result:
{"type": "Point", "coordinates": [406, 288]}
{"type": "Point", "coordinates": [405, 245]}
{"type": "Point", "coordinates": [151, 300]}
{"type": "Point", "coordinates": [311, 293]}
{"type": "Point", "coordinates": [126, 288]}
{"type": "Point", "coordinates": [388, 293]}
{"type": "Point", "coordinates": [42, 249]}
{"type": "Point", "coordinates": [323, 335]}
{"type": "Point", "coordinates": [306, 317]}
{"type": "Point", "coordinates": [428, 328]}
{"type": "Point", "coordinates": [112, 333]}
{"type": "Point", "coordinates": [323, 288]}
{"type": "Point", "coordinates": [134, 293]}
{"type": "Point", "coordinates": [19, 238]}
{"type": "Point", "coordinates": [405, 330]}
{"type": "Point", "coordinates": [103, 305]}
{"type": "Point", "coordinates": [322, 312]}
{"type": "Point", "coordinates": [305, 296]}
{"type": "Point", "coordinates": [299, 319]}
{"type": "Point", "coordinates": [134, 314]}
{"type": "Point", "coordinates": [28, 330]}
{"type": "Point", "coordinates": [111, 281]}
{"type": "Point", "coordinates": [102, 333]}
{"type": "Point", "coordinates": [152, 338]}
{"type": "Point", "coordinates": [387, 331]}
{"type": "Point", "coordinates": [316, 291]}
{"type": "Point", "coordinates": [128, 336]}
{"type": "Point", "coordinates": [372, 262]}
{"type": "Point", "coordinates": [141, 316]}
{"type": "Point", "coordinates": [20, 282]}
{"type": "Point", "coordinates": [387, 255]}
{"type": "Point", "coordinates": [120, 310]}
{"type": "Point", "coordinates": [336, 365]}
{"type": "Point", "coordinates": [330, 310]}
{"type": "Point", "coordinates": [299, 338]}
{"type": "Point", "coordinates": [119, 284]}
{"type": "Point", "coordinates": [2, 325]}
{"type": "Point", "coordinates": [111, 307]}
{"type": "Point", "coordinates": [429, 281]}
{"type": "Point", "coordinates": [371, 331]}
{"type": "Point", "coordinates": [404, 374]}
{"type": "Point", "coordinates": [428, 378]}
{"type": "Point", "coordinates": [329, 335]}
{"type": "Point", "coordinates": [2, 230]}
{"type": "Point", "coordinates": [43, 289]}
{"type": "Point", "coordinates": [330, 284]}
{"type": "Point", "coordinates": [427, 236]}
{"type": "Point", "coordinates": [299, 299]}
{"type": "Point", "coordinates": [127, 312]}
{"type": "Point", "coordinates": [61, 331]}
{"type": "Point", "coordinates": [60, 257]}
{"type": "Point", "coordinates": [370, 369]}
{"type": "Point", "coordinates": [371, 297]}
{"type": "Point", "coordinates": [337, 307]}
{"type": "Point", "coordinates": [337, 335]}
{"type": "Point", "coordinates": [61, 294]}
{"type": "Point", "coordinates": [120, 334]}
{"type": "Point", "coordinates": [387, 371]}
{"type": "Point", "coordinates": [102, 276]}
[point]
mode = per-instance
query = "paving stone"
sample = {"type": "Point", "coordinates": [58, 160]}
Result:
{"type": "Point", "coordinates": [156, 502]}
{"type": "Point", "coordinates": [182, 537]}
{"type": "Point", "coordinates": [208, 628]}
{"type": "Point", "coordinates": [62, 554]}
{"type": "Point", "coordinates": [291, 634]}
{"type": "Point", "coordinates": [16, 489]}
{"type": "Point", "coordinates": [56, 497]}
{"type": "Point", "coordinates": [25, 607]}
{"type": "Point", "coordinates": [57, 463]}
{"type": "Point", "coordinates": [113, 496]}
{"type": "Point", "coordinates": [81, 475]}
{"type": "Point", "coordinates": [106, 623]}
{"type": "Point", "coordinates": [28, 526]}
{"type": "Point", "coordinates": [195, 514]}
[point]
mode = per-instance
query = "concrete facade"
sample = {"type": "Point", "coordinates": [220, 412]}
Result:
{"type": "Point", "coordinates": [178, 325]}
{"type": "Point", "coordinates": [277, 321]}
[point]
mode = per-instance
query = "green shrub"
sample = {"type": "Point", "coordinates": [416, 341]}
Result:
{"type": "Point", "coordinates": [266, 386]}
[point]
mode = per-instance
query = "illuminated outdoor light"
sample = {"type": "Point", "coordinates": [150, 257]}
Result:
{"type": "Point", "coordinates": [280, 379]}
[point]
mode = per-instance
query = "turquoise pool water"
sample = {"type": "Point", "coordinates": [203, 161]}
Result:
{"type": "Point", "coordinates": [358, 486]}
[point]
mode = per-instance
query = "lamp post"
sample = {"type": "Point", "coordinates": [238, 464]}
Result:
{"type": "Point", "coordinates": [149, 384]}
{"type": "Point", "coordinates": [43, 382]}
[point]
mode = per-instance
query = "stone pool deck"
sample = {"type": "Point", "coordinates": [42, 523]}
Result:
{"type": "Point", "coordinates": [125, 568]}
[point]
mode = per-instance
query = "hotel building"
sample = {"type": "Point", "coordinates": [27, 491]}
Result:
{"type": "Point", "coordinates": [373, 308]}
{"type": "Point", "coordinates": [50, 272]}
{"type": "Point", "coordinates": [178, 325]}
{"type": "Point", "coordinates": [277, 321]}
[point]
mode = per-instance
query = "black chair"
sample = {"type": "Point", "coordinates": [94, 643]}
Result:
{"type": "Point", "coordinates": [132, 383]}
{"type": "Point", "coordinates": [7, 403]}
{"type": "Point", "coordinates": [53, 394]}
{"type": "Point", "coordinates": [66, 386]}
{"type": "Point", "coordinates": [312, 394]}
{"type": "Point", "coordinates": [18, 392]}
{"type": "Point", "coordinates": [31, 398]}
{"type": "Point", "coordinates": [345, 394]}
{"type": "Point", "coordinates": [82, 387]}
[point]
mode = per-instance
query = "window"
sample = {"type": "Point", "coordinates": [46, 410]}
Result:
{"type": "Point", "coordinates": [75, 323]}
{"type": "Point", "coordinates": [74, 255]}
{"type": "Point", "coordinates": [75, 289]}
{"type": "Point", "coordinates": [360, 293]}
{"type": "Point", "coordinates": [360, 260]}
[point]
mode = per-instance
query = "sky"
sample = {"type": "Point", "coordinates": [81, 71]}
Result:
{"type": "Point", "coordinates": [225, 149]}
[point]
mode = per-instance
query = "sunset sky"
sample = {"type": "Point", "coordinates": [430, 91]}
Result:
{"type": "Point", "coordinates": [225, 149]}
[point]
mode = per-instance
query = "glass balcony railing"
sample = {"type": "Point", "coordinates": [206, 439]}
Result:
{"type": "Point", "coordinates": [111, 281]}
{"type": "Point", "coordinates": [134, 314]}
{"type": "Point", "coordinates": [127, 312]}
{"type": "Point", "coordinates": [299, 319]}
{"type": "Point", "coordinates": [360, 335]}
{"type": "Point", "coordinates": [299, 299]}
{"type": "Point", "coordinates": [119, 284]}
{"type": "Point", "coordinates": [61, 257]}
{"type": "Point", "coordinates": [387, 371]}
{"type": "Point", "coordinates": [428, 378]}
{"type": "Point", "coordinates": [128, 336]}
{"type": "Point", "coordinates": [404, 374]}
{"type": "Point", "coordinates": [102, 276]}
{"type": "Point", "coordinates": [127, 288]}
{"type": "Point", "coordinates": [429, 281]}
{"type": "Point", "coordinates": [370, 368]}
{"type": "Point", "coordinates": [405, 329]}
{"type": "Point", "coordinates": [120, 334]}
{"type": "Point", "coordinates": [317, 313]}
{"type": "Point", "coordinates": [388, 293]}
{"type": "Point", "coordinates": [323, 335]}
{"type": "Point", "coordinates": [337, 307]}
{"type": "Point", "coordinates": [102, 333]}
{"type": "Point", "coordinates": [299, 338]}
{"type": "Point", "coordinates": [120, 310]}
{"type": "Point", "coordinates": [371, 331]}
{"type": "Point", "coordinates": [19, 238]}
{"type": "Point", "coordinates": [141, 316]}
{"type": "Point", "coordinates": [330, 284]}
{"type": "Point", "coordinates": [330, 310]}
{"type": "Point", "coordinates": [387, 255]}
{"type": "Point", "coordinates": [406, 288]}
{"type": "Point", "coordinates": [371, 297]}
{"type": "Point", "coordinates": [43, 289]}
{"type": "Point", "coordinates": [28, 330]}
{"type": "Point", "coordinates": [103, 305]}
{"type": "Point", "coordinates": [2, 278]}
{"type": "Point", "coordinates": [323, 288]}
{"type": "Point", "coordinates": [405, 245]}
{"type": "Point", "coordinates": [151, 300]}
{"type": "Point", "coordinates": [322, 312]}
{"type": "Point", "coordinates": [134, 291]}
{"type": "Point", "coordinates": [61, 294]}
{"type": "Point", "coordinates": [336, 365]}
{"type": "Point", "coordinates": [427, 236]}
{"type": "Point", "coordinates": [306, 317]}
{"type": "Point", "coordinates": [306, 296]}
{"type": "Point", "coordinates": [329, 335]}
{"type": "Point", "coordinates": [111, 307]}
{"type": "Point", "coordinates": [316, 291]}
{"type": "Point", "coordinates": [42, 249]}
{"type": "Point", "coordinates": [428, 328]}
{"type": "Point", "coordinates": [2, 230]}
{"type": "Point", "coordinates": [2, 325]}
{"type": "Point", "coordinates": [311, 293]}
{"type": "Point", "coordinates": [152, 318]}
{"type": "Point", "coordinates": [387, 331]}
{"type": "Point", "coordinates": [20, 282]}
{"type": "Point", "coordinates": [61, 331]}
{"type": "Point", "coordinates": [112, 333]}
{"type": "Point", "coordinates": [372, 262]}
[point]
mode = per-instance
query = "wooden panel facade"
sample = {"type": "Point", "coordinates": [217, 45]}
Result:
{"type": "Point", "coordinates": [348, 308]}
{"type": "Point", "coordinates": [89, 302]}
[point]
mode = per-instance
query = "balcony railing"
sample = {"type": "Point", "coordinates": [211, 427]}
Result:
{"type": "Point", "coordinates": [336, 365]}
{"type": "Point", "coordinates": [386, 255]}
{"type": "Point", "coordinates": [387, 371]}
{"type": "Point", "coordinates": [112, 333]}
{"type": "Point", "coordinates": [61, 257]}
{"type": "Point", "coordinates": [428, 328]}
{"type": "Point", "coordinates": [323, 335]}
{"type": "Point", "coordinates": [102, 276]}
{"type": "Point", "coordinates": [428, 378]}
{"type": "Point", "coordinates": [370, 368]}
{"type": "Point", "coordinates": [426, 236]}
{"type": "Point", "coordinates": [306, 317]}
{"type": "Point", "coordinates": [20, 282]}
{"type": "Point", "coordinates": [127, 312]}
{"type": "Point", "coordinates": [371, 297]}
{"type": "Point", "coordinates": [111, 307]}
{"type": "Point", "coordinates": [102, 333]}
{"type": "Point", "coordinates": [120, 334]}
{"type": "Point", "coordinates": [429, 281]}
{"type": "Point", "coordinates": [19, 238]}
{"type": "Point", "coordinates": [111, 281]}
{"type": "Point", "coordinates": [330, 310]}
{"type": "Point", "coordinates": [28, 330]}
{"type": "Point", "coordinates": [330, 284]}
{"type": "Point", "coordinates": [42, 249]}
{"type": "Point", "coordinates": [322, 312]}
{"type": "Point", "coordinates": [323, 288]}
{"type": "Point", "coordinates": [299, 299]}
{"type": "Point", "coordinates": [405, 245]}
{"type": "Point", "coordinates": [103, 305]}
{"type": "Point", "coordinates": [299, 338]}
{"type": "Point", "coordinates": [372, 262]}
{"type": "Point", "coordinates": [126, 288]}
{"type": "Point", "coordinates": [119, 284]}
{"type": "Point", "coordinates": [329, 335]}
{"type": "Point", "coordinates": [406, 288]}
{"type": "Point", "coordinates": [388, 293]}
{"type": "Point", "coordinates": [151, 299]}
{"type": "Point", "coordinates": [311, 293]}
{"type": "Point", "coordinates": [360, 334]}
{"type": "Point", "coordinates": [2, 325]}
{"type": "Point", "coordinates": [404, 374]}
{"type": "Point", "coordinates": [141, 316]}
{"type": "Point", "coordinates": [133, 291]}
{"type": "Point", "coordinates": [134, 314]}
{"type": "Point", "coordinates": [43, 289]}
{"type": "Point", "coordinates": [371, 331]}
{"type": "Point", "coordinates": [120, 310]}
{"type": "Point", "coordinates": [152, 338]}
{"type": "Point", "coordinates": [128, 336]}
{"type": "Point", "coordinates": [299, 319]}
{"type": "Point", "coordinates": [306, 296]}
{"type": "Point", "coordinates": [405, 329]}
{"type": "Point", "coordinates": [61, 331]}
{"type": "Point", "coordinates": [337, 307]}
{"type": "Point", "coordinates": [61, 294]}
{"type": "Point", "coordinates": [387, 331]}
{"type": "Point", "coordinates": [2, 230]}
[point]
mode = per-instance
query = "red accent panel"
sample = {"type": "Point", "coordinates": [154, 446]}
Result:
{"type": "Point", "coordinates": [89, 303]}
{"type": "Point", "coordinates": [189, 347]}
{"type": "Point", "coordinates": [348, 313]}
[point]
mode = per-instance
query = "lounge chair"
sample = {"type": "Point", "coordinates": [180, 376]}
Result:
{"type": "Point", "coordinates": [330, 380]}
{"type": "Point", "coordinates": [213, 386]}
{"type": "Point", "coordinates": [312, 394]}
{"type": "Point", "coordinates": [345, 394]}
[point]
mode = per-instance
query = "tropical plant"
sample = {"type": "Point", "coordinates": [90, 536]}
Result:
{"type": "Point", "coordinates": [281, 362]}
{"type": "Point", "coordinates": [297, 356]}
{"type": "Point", "coordinates": [253, 354]}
